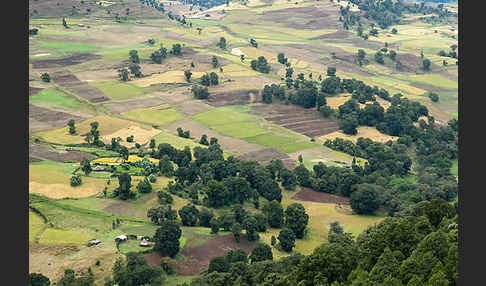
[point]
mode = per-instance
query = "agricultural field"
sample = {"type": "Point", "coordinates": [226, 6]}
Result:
{"type": "Point", "coordinates": [85, 58]}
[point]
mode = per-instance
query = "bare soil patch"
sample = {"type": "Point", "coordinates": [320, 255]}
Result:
{"type": "Point", "coordinates": [264, 157]}
{"type": "Point", "coordinates": [194, 107]}
{"type": "Point", "coordinates": [44, 151]}
{"type": "Point", "coordinates": [309, 195]}
{"type": "Point", "coordinates": [342, 34]}
{"type": "Point", "coordinates": [124, 106]}
{"type": "Point", "coordinates": [198, 257]}
{"type": "Point", "coordinates": [69, 81]}
{"type": "Point", "coordinates": [34, 90]}
{"type": "Point", "coordinates": [51, 117]}
{"type": "Point", "coordinates": [235, 97]}
{"type": "Point", "coordinates": [62, 62]}
{"type": "Point", "coordinates": [305, 121]}
{"type": "Point", "coordinates": [309, 17]}
{"type": "Point", "coordinates": [175, 95]}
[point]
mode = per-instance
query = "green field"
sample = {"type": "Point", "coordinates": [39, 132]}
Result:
{"type": "Point", "coordinates": [235, 121]}
{"type": "Point", "coordinates": [36, 224]}
{"type": "Point", "coordinates": [68, 47]}
{"type": "Point", "coordinates": [56, 97]}
{"type": "Point", "coordinates": [161, 115]}
{"type": "Point", "coordinates": [119, 90]}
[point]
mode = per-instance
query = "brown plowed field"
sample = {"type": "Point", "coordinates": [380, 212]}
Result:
{"type": "Point", "coordinates": [43, 151]}
{"type": "Point", "coordinates": [296, 118]}
{"type": "Point", "coordinates": [194, 107]}
{"type": "Point", "coordinates": [51, 117]}
{"type": "Point", "coordinates": [34, 90]}
{"type": "Point", "coordinates": [236, 97]}
{"type": "Point", "coordinates": [69, 81]}
{"type": "Point", "coordinates": [264, 156]}
{"type": "Point", "coordinates": [342, 34]}
{"type": "Point", "coordinates": [309, 195]}
{"type": "Point", "coordinates": [62, 62]}
{"type": "Point", "coordinates": [198, 257]}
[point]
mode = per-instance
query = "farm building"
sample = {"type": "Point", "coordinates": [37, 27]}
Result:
{"type": "Point", "coordinates": [94, 242]}
{"type": "Point", "coordinates": [98, 168]}
{"type": "Point", "coordinates": [145, 243]}
{"type": "Point", "coordinates": [121, 238]}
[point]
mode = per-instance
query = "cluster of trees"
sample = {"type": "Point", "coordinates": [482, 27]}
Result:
{"type": "Point", "coordinates": [260, 65]}
{"type": "Point", "coordinates": [418, 249]}
{"type": "Point", "coordinates": [210, 79]}
{"type": "Point", "coordinates": [200, 92]}
{"type": "Point", "coordinates": [271, 91]}
{"type": "Point", "coordinates": [182, 133]}
{"type": "Point", "coordinates": [253, 43]}
{"type": "Point", "coordinates": [451, 54]}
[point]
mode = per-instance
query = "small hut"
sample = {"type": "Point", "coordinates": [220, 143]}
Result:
{"type": "Point", "coordinates": [121, 238]}
{"type": "Point", "coordinates": [98, 168]}
{"type": "Point", "coordinates": [94, 242]}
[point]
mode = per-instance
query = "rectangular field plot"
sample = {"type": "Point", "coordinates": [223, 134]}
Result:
{"type": "Point", "coordinates": [159, 115]}
{"type": "Point", "coordinates": [60, 236]}
{"type": "Point", "coordinates": [36, 224]}
{"type": "Point", "coordinates": [119, 90]}
{"type": "Point", "coordinates": [285, 144]}
{"type": "Point", "coordinates": [54, 96]}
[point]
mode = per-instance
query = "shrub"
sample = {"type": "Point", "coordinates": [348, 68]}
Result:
{"type": "Point", "coordinates": [46, 77]}
{"type": "Point", "coordinates": [76, 180]}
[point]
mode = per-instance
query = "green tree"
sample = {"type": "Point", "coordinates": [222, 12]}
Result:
{"type": "Point", "coordinates": [434, 96]}
{"type": "Point", "coordinates": [348, 124]}
{"type": "Point", "coordinates": [236, 230]}
{"type": "Point", "coordinates": [189, 215]}
{"type": "Point", "coordinates": [188, 74]}
{"type": "Point", "coordinates": [135, 70]}
{"type": "Point", "coordinates": [222, 43]}
{"type": "Point", "coordinates": [75, 180]}
{"type": "Point", "coordinates": [144, 186]}
{"type": "Point", "coordinates": [286, 237]}
{"type": "Point", "coordinates": [215, 225]}
{"type": "Point", "coordinates": [261, 252]}
{"type": "Point", "coordinates": [394, 31]}
{"type": "Point", "coordinates": [204, 217]}
{"type": "Point", "coordinates": [331, 71]}
{"type": "Point", "coordinates": [167, 237]}
{"type": "Point", "coordinates": [200, 92]}
{"type": "Point", "coordinates": [379, 58]}
{"type": "Point", "coordinates": [387, 265]}
{"type": "Point", "coordinates": [275, 214]}
{"type": "Point", "coordinates": [46, 77]}
{"type": "Point", "coordinates": [176, 50]}
{"type": "Point", "coordinates": [37, 279]}
{"type": "Point", "coordinates": [213, 78]}
{"type": "Point", "coordinates": [215, 62]}
{"type": "Point", "coordinates": [426, 64]}
{"type": "Point", "coordinates": [72, 128]}
{"type": "Point", "coordinates": [250, 225]}
{"type": "Point", "coordinates": [267, 94]}
{"type": "Point", "coordinates": [281, 58]}
{"type": "Point", "coordinates": [124, 74]}
{"type": "Point", "coordinates": [365, 198]}
{"type": "Point", "coordinates": [86, 166]}
{"type": "Point", "coordinates": [218, 264]}
{"type": "Point", "coordinates": [64, 23]}
{"type": "Point", "coordinates": [289, 180]}
{"type": "Point", "coordinates": [124, 184]}
{"type": "Point", "coordinates": [296, 219]}
{"type": "Point", "coordinates": [133, 54]}
{"type": "Point", "coordinates": [204, 140]}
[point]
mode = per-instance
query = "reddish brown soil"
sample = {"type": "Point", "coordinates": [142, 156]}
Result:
{"type": "Point", "coordinates": [62, 62]}
{"type": "Point", "coordinates": [34, 90]}
{"type": "Point", "coordinates": [51, 117]}
{"type": "Point", "coordinates": [44, 151]}
{"type": "Point", "coordinates": [342, 34]}
{"type": "Point", "coordinates": [235, 97]}
{"type": "Point", "coordinates": [309, 195]}
{"type": "Point", "coordinates": [311, 17]}
{"type": "Point", "coordinates": [264, 156]}
{"type": "Point", "coordinates": [198, 257]}
{"type": "Point", "coordinates": [298, 119]}
{"type": "Point", "coordinates": [69, 81]}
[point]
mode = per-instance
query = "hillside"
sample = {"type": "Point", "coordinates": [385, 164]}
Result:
{"type": "Point", "coordinates": [301, 102]}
